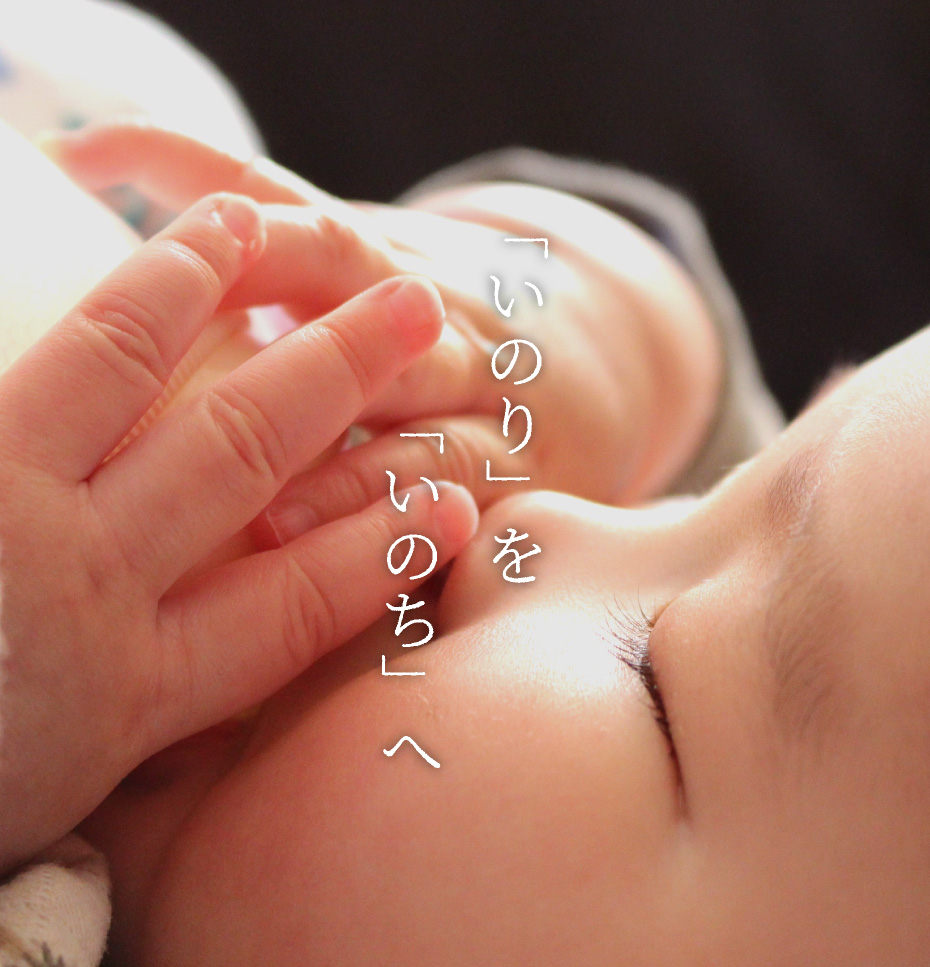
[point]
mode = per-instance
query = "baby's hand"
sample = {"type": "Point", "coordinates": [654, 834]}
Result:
{"type": "Point", "coordinates": [106, 658]}
{"type": "Point", "coordinates": [604, 358]}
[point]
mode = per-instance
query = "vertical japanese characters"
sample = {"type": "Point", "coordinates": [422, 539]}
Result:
{"type": "Point", "coordinates": [400, 553]}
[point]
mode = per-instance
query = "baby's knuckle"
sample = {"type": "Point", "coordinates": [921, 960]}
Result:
{"type": "Point", "coordinates": [360, 484]}
{"type": "Point", "coordinates": [250, 434]}
{"type": "Point", "coordinates": [349, 356]}
{"type": "Point", "coordinates": [343, 242]}
{"type": "Point", "coordinates": [461, 459]}
{"type": "Point", "coordinates": [121, 333]}
{"type": "Point", "coordinates": [310, 622]}
{"type": "Point", "coordinates": [199, 262]}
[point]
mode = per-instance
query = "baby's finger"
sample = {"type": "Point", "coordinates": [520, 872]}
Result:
{"type": "Point", "coordinates": [316, 257]}
{"type": "Point", "coordinates": [171, 168]}
{"type": "Point", "coordinates": [319, 251]}
{"type": "Point", "coordinates": [242, 632]}
{"type": "Point", "coordinates": [206, 469]}
{"type": "Point", "coordinates": [73, 397]}
{"type": "Point", "coordinates": [453, 377]}
{"type": "Point", "coordinates": [357, 477]}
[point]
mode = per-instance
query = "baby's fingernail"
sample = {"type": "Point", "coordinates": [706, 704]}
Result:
{"type": "Point", "coordinates": [417, 307]}
{"type": "Point", "coordinates": [455, 513]}
{"type": "Point", "coordinates": [288, 523]}
{"type": "Point", "coordinates": [243, 219]}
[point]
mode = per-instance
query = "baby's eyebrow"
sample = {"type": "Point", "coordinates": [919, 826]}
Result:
{"type": "Point", "coordinates": [807, 617]}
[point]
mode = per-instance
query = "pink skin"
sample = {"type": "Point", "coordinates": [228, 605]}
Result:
{"type": "Point", "coordinates": [791, 829]}
{"type": "Point", "coordinates": [558, 829]}
{"type": "Point", "coordinates": [631, 356]}
{"type": "Point", "coordinates": [94, 542]}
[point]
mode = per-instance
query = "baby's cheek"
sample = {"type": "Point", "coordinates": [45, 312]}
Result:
{"type": "Point", "coordinates": [542, 839]}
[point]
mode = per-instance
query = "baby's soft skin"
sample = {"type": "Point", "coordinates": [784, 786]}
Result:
{"type": "Point", "coordinates": [768, 807]}
{"type": "Point", "coordinates": [778, 817]}
{"type": "Point", "coordinates": [784, 822]}
{"type": "Point", "coordinates": [631, 360]}
{"type": "Point", "coordinates": [106, 658]}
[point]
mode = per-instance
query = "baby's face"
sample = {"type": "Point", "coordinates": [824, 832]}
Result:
{"type": "Point", "coordinates": [785, 821]}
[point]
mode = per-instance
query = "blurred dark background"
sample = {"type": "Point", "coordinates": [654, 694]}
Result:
{"type": "Point", "coordinates": [801, 128]}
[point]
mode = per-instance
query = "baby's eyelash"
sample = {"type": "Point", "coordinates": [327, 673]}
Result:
{"type": "Point", "coordinates": [630, 631]}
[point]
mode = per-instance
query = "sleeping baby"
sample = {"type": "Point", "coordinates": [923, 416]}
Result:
{"type": "Point", "coordinates": [697, 736]}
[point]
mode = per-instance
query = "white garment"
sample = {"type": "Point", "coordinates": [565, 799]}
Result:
{"type": "Point", "coordinates": [56, 911]}
{"type": "Point", "coordinates": [64, 63]}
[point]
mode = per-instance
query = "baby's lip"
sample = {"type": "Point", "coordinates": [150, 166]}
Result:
{"type": "Point", "coordinates": [194, 753]}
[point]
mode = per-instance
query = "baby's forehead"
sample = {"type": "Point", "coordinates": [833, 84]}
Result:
{"type": "Point", "coordinates": [889, 396]}
{"type": "Point", "coordinates": [881, 458]}
{"type": "Point", "coordinates": [846, 534]}
{"type": "Point", "coordinates": [870, 436]}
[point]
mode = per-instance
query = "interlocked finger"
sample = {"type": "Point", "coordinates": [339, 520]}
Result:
{"type": "Point", "coordinates": [113, 354]}
{"type": "Point", "coordinates": [252, 626]}
{"type": "Point", "coordinates": [243, 439]}
{"type": "Point", "coordinates": [315, 258]}
{"type": "Point", "coordinates": [357, 477]}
